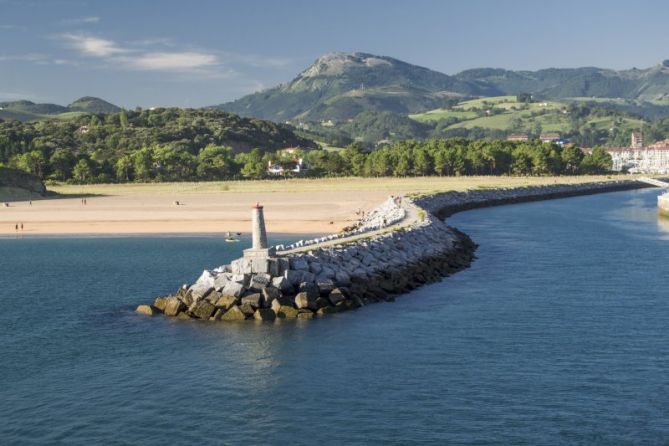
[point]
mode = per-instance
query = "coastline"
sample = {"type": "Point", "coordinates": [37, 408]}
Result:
{"type": "Point", "coordinates": [323, 277]}
{"type": "Point", "coordinates": [299, 207]}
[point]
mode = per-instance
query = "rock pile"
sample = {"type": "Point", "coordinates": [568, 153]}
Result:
{"type": "Point", "coordinates": [329, 279]}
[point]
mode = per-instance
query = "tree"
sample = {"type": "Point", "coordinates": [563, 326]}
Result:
{"type": "Point", "coordinates": [142, 163]}
{"type": "Point", "coordinates": [61, 163]}
{"type": "Point", "coordinates": [123, 118]}
{"type": "Point", "coordinates": [253, 164]}
{"type": "Point", "coordinates": [571, 158]}
{"type": "Point", "coordinates": [33, 162]}
{"type": "Point", "coordinates": [524, 98]}
{"type": "Point", "coordinates": [123, 168]}
{"type": "Point", "coordinates": [82, 172]}
{"type": "Point", "coordinates": [215, 162]}
{"type": "Point", "coordinates": [423, 164]}
{"type": "Point", "coordinates": [597, 162]}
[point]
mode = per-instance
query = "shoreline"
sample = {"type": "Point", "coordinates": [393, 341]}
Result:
{"type": "Point", "coordinates": [326, 278]}
{"type": "Point", "coordinates": [299, 207]}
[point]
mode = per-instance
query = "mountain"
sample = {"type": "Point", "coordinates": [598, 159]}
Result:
{"type": "Point", "coordinates": [30, 111]}
{"type": "Point", "coordinates": [339, 86]}
{"type": "Point", "coordinates": [89, 104]}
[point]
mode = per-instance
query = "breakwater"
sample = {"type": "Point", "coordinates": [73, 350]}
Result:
{"type": "Point", "coordinates": [330, 275]}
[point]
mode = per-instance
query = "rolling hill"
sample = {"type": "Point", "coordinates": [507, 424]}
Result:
{"type": "Point", "coordinates": [30, 111]}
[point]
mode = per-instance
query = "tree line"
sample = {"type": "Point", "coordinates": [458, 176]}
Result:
{"type": "Point", "coordinates": [446, 157]}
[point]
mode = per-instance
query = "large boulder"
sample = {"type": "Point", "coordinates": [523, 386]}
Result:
{"type": "Point", "coordinates": [325, 286]}
{"type": "Point", "coordinates": [233, 314]}
{"type": "Point", "coordinates": [270, 293]}
{"type": "Point", "coordinates": [303, 300]}
{"type": "Point", "coordinates": [203, 285]}
{"type": "Point", "coordinates": [221, 280]}
{"type": "Point", "coordinates": [287, 312]}
{"type": "Point", "coordinates": [233, 289]}
{"type": "Point", "coordinates": [336, 296]}
{"type": "Point", "coordinates": [322, 302]}
{"type": "Point", "coordinates": [260, 281]}
{"type": "Point", "coordinates": [213, 296]}
{"type": "Point", "coordinates": [299, 264]}
{"type": "Point", "coordinates": [255, 300]}
{"type": "Point", "coordinates": [247, 309]}
{"type": "Point", "coordinates": [174, 306]}
{"type": "Point", "coordinates": [305, 315]}
{"type": "Point", "coordinates": [160, 303]}
{"type": "Point", "coordinates": [225, 302]}
{"type": "Point", "coordinates": [203, 309]}
{"type": "Point", "coordinates": [264, 314]}
{"type": "Point", "coordinates": [146, 310]}
{"type": "Point", "coordinates": [342, 278]}
{"type": "Point", "coordinates": [283, 284]}
{"type": "Point", "coordinates": [311, 289]}
{"type": "Point", "coordinates": [326, 310]}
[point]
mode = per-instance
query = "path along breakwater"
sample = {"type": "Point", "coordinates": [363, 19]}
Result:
{"type": "Point", "coordinates": [400, 246]}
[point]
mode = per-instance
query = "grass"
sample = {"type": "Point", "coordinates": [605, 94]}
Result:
{"type": "Point", "coordinates": [408, 185]}
{"type": "Point", "coordinates": [441, 113]}
{"type": "Point", "coordinates": [552, 119]}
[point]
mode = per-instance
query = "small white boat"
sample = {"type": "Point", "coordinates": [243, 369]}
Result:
{"type": "Point", "coordinates": [230, 238]}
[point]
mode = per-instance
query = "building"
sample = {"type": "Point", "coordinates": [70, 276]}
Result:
{"type": "Point", "coordinates": [294, 166]}
{"type": "Point", "coordinates": [549, 137]}
{"type": "Point", "coordinates": [652, 159]}
{"type": "Point", "coordinates": [518, 137]}
{"type": "Point", "coordinates": [637, 140]}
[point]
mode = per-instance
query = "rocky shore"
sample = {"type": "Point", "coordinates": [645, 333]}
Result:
{"type": "Point", "coordinates": [326, 278]}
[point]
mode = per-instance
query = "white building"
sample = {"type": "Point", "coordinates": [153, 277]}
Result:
{"type": "Point", "coordinates": [296, 166]}
{"type": "Point", "coordinates": [653, 159]}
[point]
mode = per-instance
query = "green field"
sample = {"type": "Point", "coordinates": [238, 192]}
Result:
{"type": "Point", "coordinates": [507, 112]}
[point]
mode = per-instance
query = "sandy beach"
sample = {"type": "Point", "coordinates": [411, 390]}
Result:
{"type": "Point", "coordinates": [292, 207]}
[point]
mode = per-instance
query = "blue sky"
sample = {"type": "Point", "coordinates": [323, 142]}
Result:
{"type": "Point", "coordinates": [195, 53]}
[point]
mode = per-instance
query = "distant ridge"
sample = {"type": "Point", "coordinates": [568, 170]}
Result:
{"type": "Point", "coordinates": [30, 111]}
{"type": "Point", "coordinates": [339, 86]}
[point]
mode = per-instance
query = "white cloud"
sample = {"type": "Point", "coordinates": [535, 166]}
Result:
{"type": "Point", "coordinates": [174, 61]}
{"type": "Point", "coordinates": [81, 20]}
{"type": "Point", "coordinates": [92, 46]}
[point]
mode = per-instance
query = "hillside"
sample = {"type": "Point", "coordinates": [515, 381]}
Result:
{"type": "Point", "coordinates": [506, 113]}
{"type": "Point", "coordinates": [163, 143]}
{"type": "Point", "coordinates": [339, 86]}
{"type": "Point", "coordinates": [30, 111]}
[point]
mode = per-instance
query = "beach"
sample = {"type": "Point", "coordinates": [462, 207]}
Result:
{"type": "Point", "coordinates": [300, 206]}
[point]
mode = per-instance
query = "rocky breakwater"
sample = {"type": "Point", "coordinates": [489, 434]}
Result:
{"type": "Point", "coordinates": [446, 204]}
{"type": "Point", "coordinates": [382, 258]}
{"type": "Point", "coordinates": [326, 277]}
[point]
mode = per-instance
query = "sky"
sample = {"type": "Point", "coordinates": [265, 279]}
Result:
{"type": "Point", "coordinates": [197, 53]}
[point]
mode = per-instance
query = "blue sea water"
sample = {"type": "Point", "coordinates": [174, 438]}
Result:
{"type": "Point", "coordinates": [558, 334]}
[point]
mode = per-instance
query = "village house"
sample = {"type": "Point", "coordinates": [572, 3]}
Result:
{"type": "Point", "coordinates": [294, 166]}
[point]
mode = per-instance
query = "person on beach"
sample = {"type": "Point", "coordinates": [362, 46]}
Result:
{"type": "Point", "coordinates": [22, 226]}
{"type": "Point", "coordinates": [16, 227]}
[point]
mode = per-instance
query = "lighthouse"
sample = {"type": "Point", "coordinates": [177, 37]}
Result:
{"type": "Point", "coordinates": [258, 255]}
{"type": "Point", "coordinates": [258, 227]}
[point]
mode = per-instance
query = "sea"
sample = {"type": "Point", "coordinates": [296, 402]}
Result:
{"type": "Point", "coordinates": [557, 334]}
